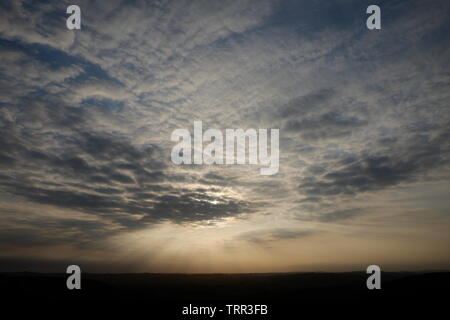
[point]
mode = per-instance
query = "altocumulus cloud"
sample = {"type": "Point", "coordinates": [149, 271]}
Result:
{"type": "Point", "coordinates": [86, 116]}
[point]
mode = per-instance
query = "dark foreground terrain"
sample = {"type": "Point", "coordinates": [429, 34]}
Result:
{"type": "Point", "coordinates": [288, 296]}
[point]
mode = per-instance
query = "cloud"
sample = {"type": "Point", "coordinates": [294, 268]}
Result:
{"type": "Point", "coordinates": [335, 216]}
{"type": "Point", "coordinates": [331, 125]}
{"type": "Point", "coordinates": [315, 100]}
{"type": "Point", "coordinates": [263, 237]}
{"type": "Point", "coordinates": [196, 206]}
{"type": "Point", "coordinates": [70, 165]}
{"type": "Point", "coordinates": [398, 164]}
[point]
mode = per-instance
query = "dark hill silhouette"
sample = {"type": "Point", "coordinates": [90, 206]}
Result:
{"type": "Point", "coordinates": [285, 293]}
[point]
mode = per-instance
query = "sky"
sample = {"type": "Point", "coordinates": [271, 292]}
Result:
{"type": "Point", "coordinates": [86, 118]}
